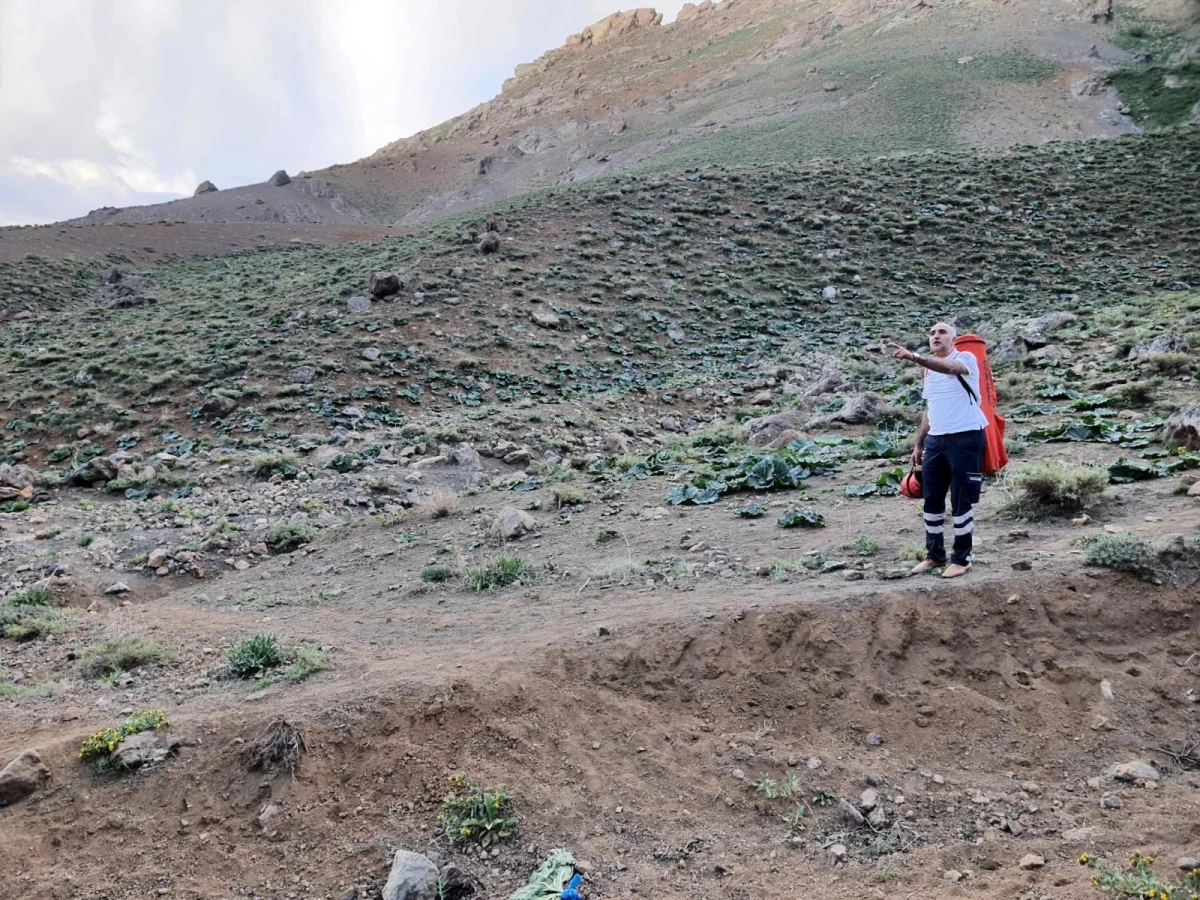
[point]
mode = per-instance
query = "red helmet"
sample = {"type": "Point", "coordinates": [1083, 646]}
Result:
{"type": "Point", "coordinates": [910, 485]}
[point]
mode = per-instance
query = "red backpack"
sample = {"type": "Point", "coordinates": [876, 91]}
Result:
{"type": "Point", "coordinates": [995, 457]}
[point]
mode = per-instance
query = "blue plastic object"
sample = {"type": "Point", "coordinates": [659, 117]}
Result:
{"type": "Point", "coordinates": [572, 891]}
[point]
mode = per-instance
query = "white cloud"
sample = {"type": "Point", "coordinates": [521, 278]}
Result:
{"type": "Point", "coordinates": [115, 102]}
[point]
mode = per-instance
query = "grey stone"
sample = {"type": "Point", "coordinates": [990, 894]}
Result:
{"type": "Point", "coordinates": [1136, 770]}
{"type": "Point", "coordinates": [99, 469]}
{"type": "Point", "coordinates": [545, 318]}
{"type": "Point", "coordinates": [762, 431]}
{"type": "Point", "coordinates": [1164, 343]}
{"type": "Point", "coordinates": [1183, 428]}
{"type": "Point", "coordinates": [849, 814]}
{"type": "Point", "coordinates": [279, 179]}
{"type": "Point", "coordinates": [205, 187]}
{"type": "Point", "coordinates": [302, 375]}
{"type": "Point", "coordinates": [22, 777]}
{"type": "Point", "coordinates": [358, 305]}
{"type": "Point", "coordinates": [616, 444]}
{"type": "Point", "coordinates": [413, 877]}
{"type": "Point", "coordinates": [371, 354]}
{"type": "Point", "coordinates": [119, 587]}
{"type": "Point", "coordinates": [384, 284]}
{"type": "Point", "coordinates": [466, 456]}
{"type": "Point", "coordinates": [512, 524]}
{"type": "Point", "coordinates": [216, 406]}
{"type": "Point", "coordinates": [143, 748]}
{"type": "Point", "coordinates": [1032, 861]}
{"type": "Point", "coordinates": [1188, 864]}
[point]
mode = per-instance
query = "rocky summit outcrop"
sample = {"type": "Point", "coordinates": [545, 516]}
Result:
{"type": "Point", "coordinates": [205, 187]}
{"type": "Point", "coordinates": [608, 30]}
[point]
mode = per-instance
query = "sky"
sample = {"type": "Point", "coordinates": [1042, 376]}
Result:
{"type": "Point", "coordinates": [124, 102]}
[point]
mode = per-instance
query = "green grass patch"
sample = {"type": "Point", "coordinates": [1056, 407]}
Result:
{"type": "Point", "coordinates": [123, 654]}
{"type": "Point", "coordinates": [255, 655]}
{"type": "Point", "coordinates": [1153, 104]}
{"type": "Point", "coordinates": [503, 571]}
{"type": "Point", "coordinates": [284, 537]}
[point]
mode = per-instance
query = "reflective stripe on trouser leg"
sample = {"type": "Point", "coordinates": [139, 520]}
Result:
{"type": "Point", "coordinates": [935, 523]}
{"type": "Point", "coordinates": [963, 524]}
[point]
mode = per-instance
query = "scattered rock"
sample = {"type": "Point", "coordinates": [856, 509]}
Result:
{"type": "Point", "coordinates": [616, 444]}
{"type": "Point", "coordinates": [269, 814]}
{"type": "Point", "coordinates": [302, 375]}
{"type": "Point", "coordinates": [22, 777]}
{"type": "Point", "coordinates": [279, 179]}
{"type": "Point", "coordinates": [545, 318]}
{"type": "Point", "coordinates": [861, 409]}
{"type": "Point", "coordinates": [869, 799]}
{"type": "Point", "coordinates": [1188, 864]}
{"type": "Point", "coordinates": [205, 187]}
{"type": "Point", "coordinates": [1137, 770]}
{"type": "Point", "coordinates": [838, 854]}
{"type": "Point", "coordinates": [953, 876]}
{"type": "Point", "coordinates": [849, 814]}
{"type": "Point", "coordinates": [370, 354]}
{"type": "Point", "coordinates": [119, 587]}
{"type": "Point", "coordinates": [496, 223]}
{"type": "Point", "coordinates": [512, 524]}
{"type": "Point", "coordinates": [1111, 801]}
{"type": "Point", "coordinates": [157, 558]}
{"type": "Point", "coordinates": [1032, 861]}
{"type": "Point", "coordinates": [358, 305]}
{"type": "Point", "coordinates": [413, 877]}
{"type": "Point", "coordinates": [763, 431]}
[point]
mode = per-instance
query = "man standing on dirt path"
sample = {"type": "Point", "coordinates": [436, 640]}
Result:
{"type": "Point", "coordinates": [949, 448]}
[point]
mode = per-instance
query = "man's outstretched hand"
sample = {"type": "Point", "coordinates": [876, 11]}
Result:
{"type": "Point", "coordinates": [903, 353]}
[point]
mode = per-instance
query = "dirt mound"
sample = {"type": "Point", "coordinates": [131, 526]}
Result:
{"type": "Point", "coordinates": [977, 717]}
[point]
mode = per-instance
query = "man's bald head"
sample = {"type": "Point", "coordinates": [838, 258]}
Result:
{"type": "Point", "coordinates": [941, 338]}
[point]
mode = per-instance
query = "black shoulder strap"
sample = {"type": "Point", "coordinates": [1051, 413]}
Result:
{"type": "Point", "coordinates": [967, 388]}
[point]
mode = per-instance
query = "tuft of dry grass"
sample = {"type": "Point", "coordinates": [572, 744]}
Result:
{"type": "Point", "coordinates": [442, 505]}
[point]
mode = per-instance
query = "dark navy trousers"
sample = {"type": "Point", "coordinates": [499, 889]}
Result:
{"type": "Point", "coordinates": [951, 462]}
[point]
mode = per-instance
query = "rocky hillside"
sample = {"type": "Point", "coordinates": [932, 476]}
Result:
{"type": "Point", "coordinates": [759, 81]}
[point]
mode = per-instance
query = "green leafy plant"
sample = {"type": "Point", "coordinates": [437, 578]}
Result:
{"type": "Point", "coordinates": [749, 511]}
{"type": "Point", "coordinates": [1138, 879]}
{"type": "Point", "coordinates": [472, 815]}
{"type": "Point", "coordinates": [801, 518]}
{"type": "Point", "coordinates": [252, 656]}
{"type": "Point", "coordinates": [866, 545]}
{"type": "Point", "coordinates": [268, 465]}
{"type": "Point", "coordinates": [305, 662]}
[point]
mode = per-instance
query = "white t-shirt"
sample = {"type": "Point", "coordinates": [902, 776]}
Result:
{"type": "Point", "coordinates": [951, 409]}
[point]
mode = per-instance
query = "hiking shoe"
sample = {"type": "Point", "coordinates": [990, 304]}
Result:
{"type": "Point", "coordinates": [925, 565]}
{"type": "Point", "coordinates": [954, 570]}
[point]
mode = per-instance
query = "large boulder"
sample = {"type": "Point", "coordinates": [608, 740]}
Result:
{"type": "Point", "coordinates": [861, 409]}
{"type": "Point", "coordinates": [216, 406]}
{"type": "Point", "coordinates": [99, 469]}
{"type": "Point", "coordinates": [763, 431]}
{"type": "Point", "coordinates": [1164, 343]}
{"type": "Point", "coordinates": [1183, 428]}
{"type": "Point", "coordinates": [513, 524]}
{"type": "Point", "coordinates": [18, 476]}
{"type": "Point", "coordinates": [384, 284]}
{"type": "Point", "coordinates": [22, 777]}
{"type": "Point", "coordinates": [692, 11]}
{"type": "Point", "coordinates": [413, 877]}
{"type": "Point", "coordinates": [205, 187]}
{"type": "Point", "coordinates": [279, 179]}
{"type": "Point", "coordinates": [142, 749]}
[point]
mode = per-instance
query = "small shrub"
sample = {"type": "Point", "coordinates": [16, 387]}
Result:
{"type": "Point", "coordinates": [100, 745]}
{"type": "Point", "coordinates": [1139, 880]}
{"type": "Point", "coordinates": [37, 595]}
{"type": "Point", "coordinates": [502, 571]}
{"type": "Point", "coordinates": [568, 495]}
{"type": "Point", "coordinates": [471, 815]}
{"type": "Point", "coordinates": [123, 655]}
{"type": "Point", "coordinates": [268, 465]}
{"type": "Point", "coordinates": [284, 537]}
{"type": "Point", "coordinates": [1123, 552]}
{"type": "Point", "coordinates": [1136, 394]}
{"type": "Point", "coordinates": [437, 574]}
{"type": "Point", "coordinates": [912, 554]}
{"type": "Point", "coordinates": [254, 655]}
{"type": "Point", "coordinates": [1055, 489]}
{"type": "Point", "coordinates": [866, 545]}
{"type": "Point", "coordinates": [29, 621]}
{"type": "Point", "coordinates": [85, 540]}
{"type": "Point", "coordinates": [1168, 363]}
